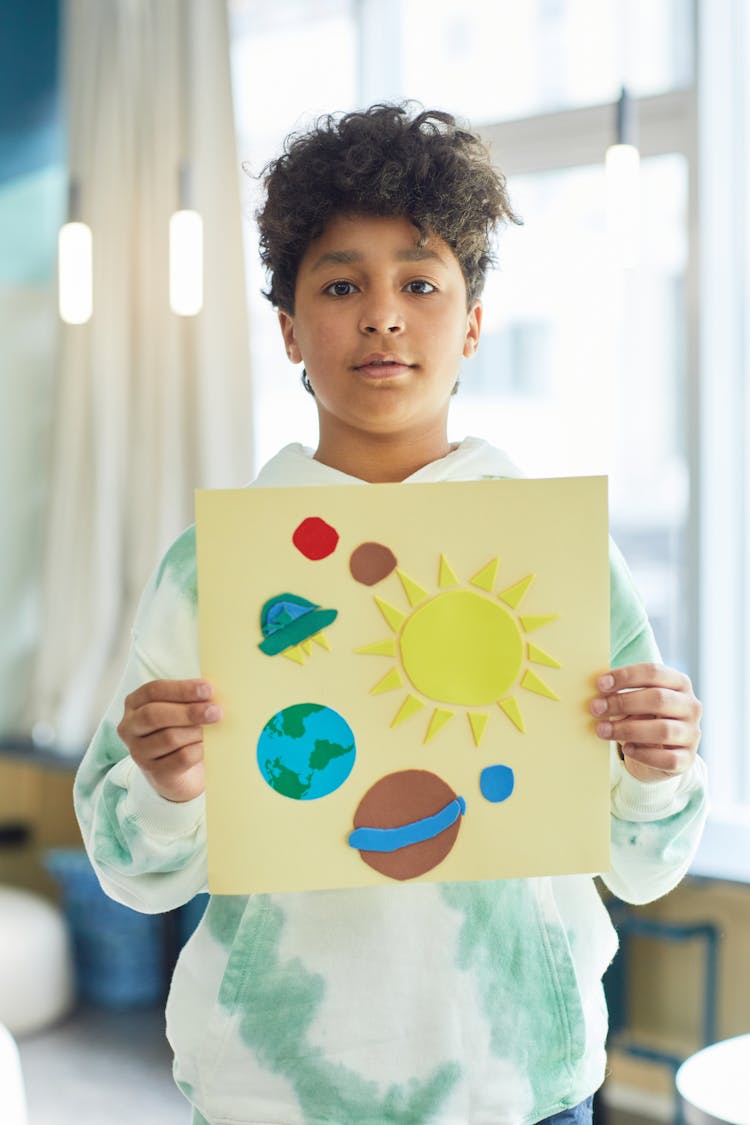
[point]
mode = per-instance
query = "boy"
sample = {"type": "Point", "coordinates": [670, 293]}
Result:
{"type": "Point", "coordinates": [460, 1004]}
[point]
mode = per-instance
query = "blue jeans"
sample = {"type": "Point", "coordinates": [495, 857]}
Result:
{"type": "Point", "coordinates": [579, 1115]}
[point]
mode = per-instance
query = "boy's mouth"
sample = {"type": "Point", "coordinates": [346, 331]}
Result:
{"type": "Point", "coordinates": [380, 366]}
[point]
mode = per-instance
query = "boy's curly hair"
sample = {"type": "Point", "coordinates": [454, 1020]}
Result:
{"type": "Point", "coordinates": [381, 161]}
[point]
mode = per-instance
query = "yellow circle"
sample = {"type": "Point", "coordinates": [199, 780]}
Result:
{"type": "Point", "coordinates": [461, 648]}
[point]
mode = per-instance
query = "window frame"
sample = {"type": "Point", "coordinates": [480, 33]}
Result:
{"type": "Point", "coordinates": [720, 425]}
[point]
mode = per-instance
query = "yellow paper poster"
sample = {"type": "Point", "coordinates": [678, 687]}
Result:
{"type": "Point", "coordinates": [405, 673]}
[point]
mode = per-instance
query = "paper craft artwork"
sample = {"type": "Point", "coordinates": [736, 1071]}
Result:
{"type": "Point", "coordinates": [407, 823]}
{"type": "Point", "coordinates": [315, 539]}
{"type": "Point", "coordinates": [446, 734]}
{"type": "Point", "coordinates": [371, 563]}
{"type": "Point", "coordinates": [496, 783]}
{"type": "Point", "coordinates": [306, 751]}
{"type": "Point", "coordinates": [289, 623]}
{"type": "Point", "coordinates": [461, 647]}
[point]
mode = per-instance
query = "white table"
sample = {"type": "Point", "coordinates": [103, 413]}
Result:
{"type": "Point", "coordinates": [714, 1084]}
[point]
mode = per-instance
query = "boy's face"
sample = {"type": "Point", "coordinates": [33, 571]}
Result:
{"type": "Point", "coordinates": [381, 325]}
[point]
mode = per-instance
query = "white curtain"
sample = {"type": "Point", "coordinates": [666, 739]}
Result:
{"type": "Point", "coordinates": [150, 405]}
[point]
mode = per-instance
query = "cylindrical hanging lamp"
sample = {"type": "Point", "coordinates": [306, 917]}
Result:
{"type": "Point", "coordinates": [622, 165]}
{"type": "Point", "coordinates": [186, 251]}
{"type": "Point", "coordinates": [75, 263]}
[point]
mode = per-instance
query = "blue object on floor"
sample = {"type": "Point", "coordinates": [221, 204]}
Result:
{"type": "Point", "coordinates": [118, 953]}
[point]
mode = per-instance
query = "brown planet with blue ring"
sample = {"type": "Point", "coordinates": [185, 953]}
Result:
{"type": "Point", "coordinates": [407, 823]}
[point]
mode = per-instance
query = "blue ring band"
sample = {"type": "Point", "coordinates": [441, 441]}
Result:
{"type": "Point", "coordinates": [392, 839]}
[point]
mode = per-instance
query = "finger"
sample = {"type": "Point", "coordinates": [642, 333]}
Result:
{"type": "Point", "coordinates": [169, 691]}
{"type": "Point", "coordinates": [667, 760]}
{"type": "Point", "coordinates": [152, 717]}
{"type": "Point", "coordinates": [645, 701]}
{"type": "Point", "coordinates": [178, 761]}
{"type": "Point", "coordinates": [182, 784]}
{"type": "Point", "coordinates": [648, 732]}
{"type": "Point", "coordinates": [643, 675]}
{"type": "Point", "coordinates": [165, 743]}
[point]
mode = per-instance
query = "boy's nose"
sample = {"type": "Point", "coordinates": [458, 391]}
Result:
{"type": "Point", "coordinates": [382, 328]}
{"type": "Point", "coordinates": [381, 317]}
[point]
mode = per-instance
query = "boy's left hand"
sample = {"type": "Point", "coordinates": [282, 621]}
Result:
{"type": "Point", "coordinates": [652, 712]}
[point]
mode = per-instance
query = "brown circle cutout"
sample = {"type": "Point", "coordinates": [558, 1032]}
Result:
{"type": "Point", "coordinates": [371, 563]}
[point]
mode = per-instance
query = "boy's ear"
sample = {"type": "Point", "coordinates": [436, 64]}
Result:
{"type": "Point", "coordinates": [286, 323]}
{"type": "Point", "coordinates": [473, 329]}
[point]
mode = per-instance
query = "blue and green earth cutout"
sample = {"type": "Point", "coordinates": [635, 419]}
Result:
{"type": "Point", "coordinates": [306, 751]}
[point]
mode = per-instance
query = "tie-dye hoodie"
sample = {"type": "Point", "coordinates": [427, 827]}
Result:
{"type": "Point", "coordinates": [454, 1004]}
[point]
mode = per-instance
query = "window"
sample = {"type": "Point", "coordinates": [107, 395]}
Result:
{"type": "Point", "coordinates": [567, 382]}
{"type": "Point", "coordinates": [582, 368]}
{"type": "Point", "coordinates": [494, 60]}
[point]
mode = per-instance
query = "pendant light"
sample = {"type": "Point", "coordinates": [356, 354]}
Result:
{"type": "Point", "coordinates": [186, 251]}
{"type": "Point", "coordinates": [185, 225]}
{"type": "Point", "coordinates": [622, 166]}
{"type": "Point", "coordinates": [75, 263]}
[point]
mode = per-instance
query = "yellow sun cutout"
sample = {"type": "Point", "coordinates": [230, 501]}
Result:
{"type": "Point", "coordinates": [463, 649]}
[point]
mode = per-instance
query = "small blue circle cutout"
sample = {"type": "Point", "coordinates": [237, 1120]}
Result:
{"type": "Point", "coordinates": [496, 783]}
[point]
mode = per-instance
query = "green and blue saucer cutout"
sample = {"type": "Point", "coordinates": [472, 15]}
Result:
{"type": "Point", "coordinates": [287, 620]}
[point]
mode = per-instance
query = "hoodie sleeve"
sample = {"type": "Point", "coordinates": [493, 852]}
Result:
{"type": "Point", "coordinates": [656, 826]}
{"type": "Point", "coordinates": [149, 853]}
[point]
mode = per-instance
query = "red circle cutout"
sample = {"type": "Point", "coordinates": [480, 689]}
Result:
{"type": "Point", "coordinates": [315, 539]}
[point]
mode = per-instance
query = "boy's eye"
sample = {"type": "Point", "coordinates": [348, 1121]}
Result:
{"type": "Point", "coordinates": [340, 288]}
{"type": "Point", "coordinates": [419, 285]}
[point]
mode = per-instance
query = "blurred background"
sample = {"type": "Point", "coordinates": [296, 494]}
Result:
{"type": "Point", "coordinates": [614, 342]}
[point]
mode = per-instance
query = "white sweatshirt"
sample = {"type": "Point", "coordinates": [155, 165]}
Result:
{"type": "Point", "coordinates": [454, 1004]}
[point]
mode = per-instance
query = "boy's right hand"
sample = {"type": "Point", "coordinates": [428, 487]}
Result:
{"type": "Point", "coordinates": [162, 727]}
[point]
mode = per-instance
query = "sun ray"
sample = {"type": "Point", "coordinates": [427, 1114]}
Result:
{"type": "Point", "coordinates": [393, 616]}
{"type": "Point", "coordinates": [306, 646]}
{"type": "Point", "coordinates": [477, 722]}
{"type": "Point", "coordinates": [510, 707]}
{"type": "Point", "coordinates": [531, 624]}
{"type": "Point", "coordinates": [437, 721]}
{"type": "Point", "coordinates": [409, 707]}
{"type": "Point", "coordinates": [392, 679]}
{"type": "Point", "coordinates": [379, 648]}
{"type": "Point", "coordinates": [532, 682]}
{"type": "Point", "coordinates": [295, 653]}
{"type": "Point", "coordinates": [414, 592]}
{"type": "Point", "coordinates": [446, 577]}
{"type": "Point", "coordinates": [539, 656]}
{"type": "Point", "coordinates": [322, 640]}
{"type": "Point", "coordinates": [485, 578]}
{"type": "Point", "coordinates": [514, 594]}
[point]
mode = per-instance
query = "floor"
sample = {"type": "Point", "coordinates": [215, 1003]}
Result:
{"type": "Point", "coordinates": [102, 1068]}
